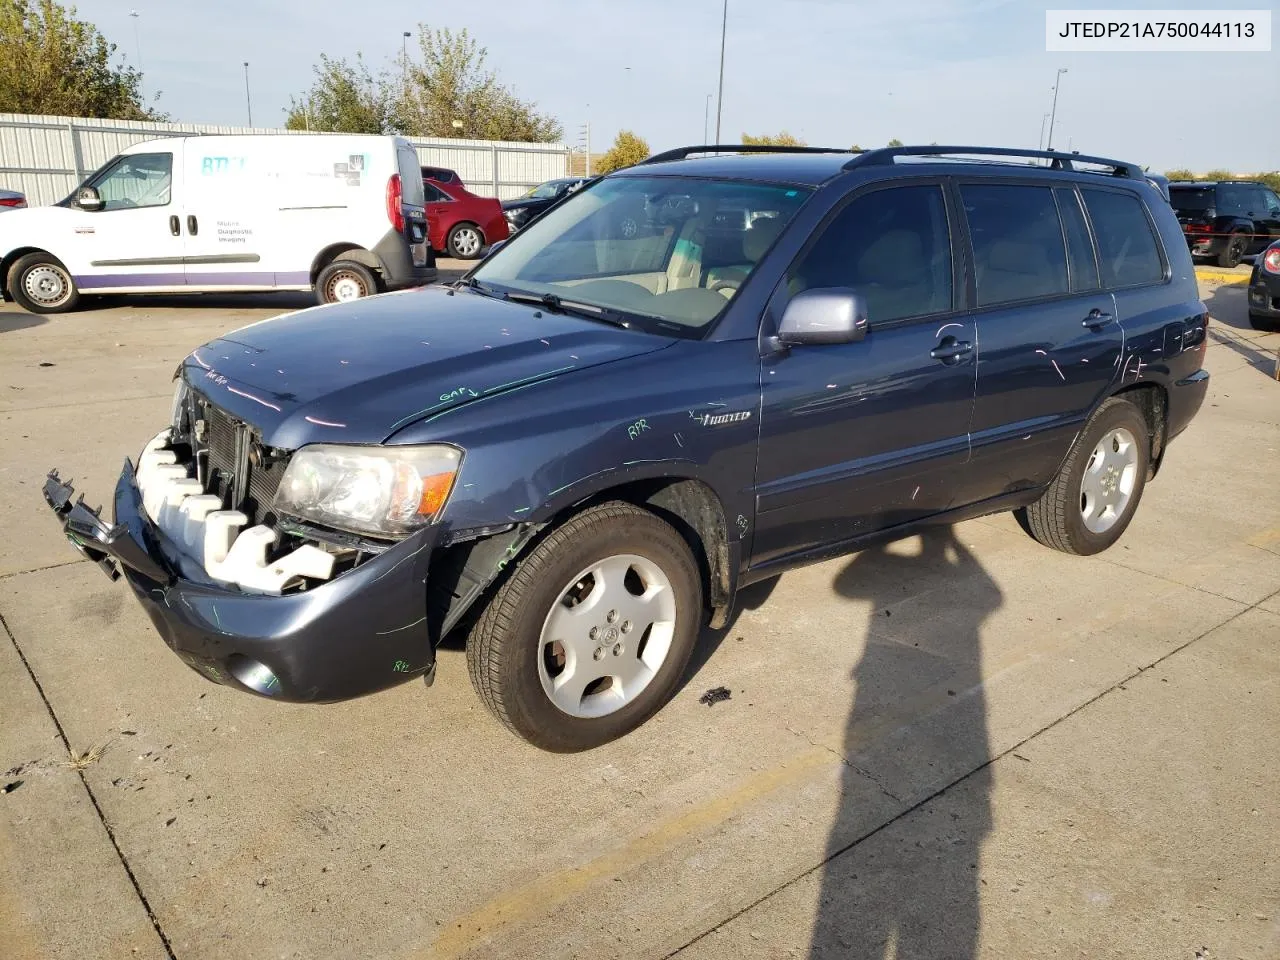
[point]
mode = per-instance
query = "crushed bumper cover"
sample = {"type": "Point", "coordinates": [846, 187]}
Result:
{"type": "Point", "coordinates": [363, 631]}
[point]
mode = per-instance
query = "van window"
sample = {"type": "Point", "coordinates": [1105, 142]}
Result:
{"type": "Point", "coordinates": [1018, 252]}
{"type": "Point", "coordinates": [410, 177]}
{"type": "Point", "coordinates": [1084, 267]}
{"type": "Point", "coordinates": [892, 246]}
{"type": "Point", "coordinates": [137, 180]}
{"type": "Point", "coordinates": [1126, 246]}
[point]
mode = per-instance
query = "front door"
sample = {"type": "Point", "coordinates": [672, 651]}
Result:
{"type": "Point", "coordinates": [863, 436]}
{"type": "Point", "coordinates": [135, 242]}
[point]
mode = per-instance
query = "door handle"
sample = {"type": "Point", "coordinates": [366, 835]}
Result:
{"type": "Point", "coordinates": [1097, 318]}
{"type": "Point", "coordinates": [951, 350]}
{"type": "Point", "coordinates": [193, 227]}
{"type": "Point", "coordinates": [174, 227]}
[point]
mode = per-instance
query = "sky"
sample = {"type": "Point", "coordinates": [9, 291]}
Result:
{"type": "Point", "coordinates": [834, 72]}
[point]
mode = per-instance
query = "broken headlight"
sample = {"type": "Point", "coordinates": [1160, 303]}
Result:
{"type": "Point", "coordinates": [384, 491]}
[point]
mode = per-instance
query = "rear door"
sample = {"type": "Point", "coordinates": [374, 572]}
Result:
{"type": "Point", "coordinates": [413, 204]}
{"type": "Point", "coordinates": [135, 241]}
{"type": "Point", "coordinates": [1050, 341]}
{"type": "Point", "coordinates": [859, 437]}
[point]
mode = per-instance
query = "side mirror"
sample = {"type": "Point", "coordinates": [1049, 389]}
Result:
{"type": "Point", "coordinates": [829, 315]}
{"type": "Point", "coordinates": [87, 198]}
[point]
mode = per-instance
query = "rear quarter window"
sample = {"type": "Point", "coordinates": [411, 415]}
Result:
{"type": "Point", "coordinates": [1128, 252]}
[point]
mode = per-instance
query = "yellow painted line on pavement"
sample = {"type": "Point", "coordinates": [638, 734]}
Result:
{"type": "Point", "coordinates": [1222, 276]}
{"type": "Point", "coordinates": [539, 897]}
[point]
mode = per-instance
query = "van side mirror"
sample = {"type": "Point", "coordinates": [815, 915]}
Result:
{"type": "Point", "coordinates": [87, 198]}
{"type": "Point", "coordinates": [828, 315]}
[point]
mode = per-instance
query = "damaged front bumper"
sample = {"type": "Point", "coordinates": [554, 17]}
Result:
{"type": "Point", "coordinates": [362, 631]}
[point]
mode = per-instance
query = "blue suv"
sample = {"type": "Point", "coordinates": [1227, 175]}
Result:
{"type": "Point", "coordinates": [696, 373]}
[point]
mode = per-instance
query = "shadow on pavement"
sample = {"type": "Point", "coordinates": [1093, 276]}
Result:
{"type": "Point", "coordinates": [911, 891]}
{"type": "Point", "coordinates": [752, 597]}
{"type": "Point", "coordinates": [20, 320]}
{"type": "Point", "coordinates": [1230, 328]}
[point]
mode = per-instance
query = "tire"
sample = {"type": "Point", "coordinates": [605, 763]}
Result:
{"type": "Point", "coordinates": [465, 241]}
{"type": "Point", "coordinates": [345, 280]}
{"type": "Point", "coordinates": [515, 662]}
{"type": "Point", "coordinates": [41, 284]}
{"type": "Point", "coordinates": [1058, 518]}
{"type": "Point", "coordinates": [1233, 251]}
{"type": "Point", "coordinates": [1259, 322]}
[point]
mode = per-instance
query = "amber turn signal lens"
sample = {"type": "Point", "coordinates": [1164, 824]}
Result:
{"type": "Point", "coordinates": [435, 491]}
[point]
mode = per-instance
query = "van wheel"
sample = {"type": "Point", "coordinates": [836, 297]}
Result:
{"type": "Point", "coordinates": [1233, 251]}
{"type": "Point", "coordinates": [465, 241]}
{"type": "Point", "coordinates": [1091, 501]}
{"type": "Point", "coordinates": [591, 632]}
{"type": "Point", "coordinates": [39, 283]}
{"type": "Point", "coordinates": [345, 280]}
{"type": "Point", "coordinates": [1259, 322]}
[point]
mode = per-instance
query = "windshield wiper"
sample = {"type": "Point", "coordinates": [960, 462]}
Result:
{"type": "Point", "coordinates": [480, 288]}
{"type": "Point", "coordinates": [577, 308]}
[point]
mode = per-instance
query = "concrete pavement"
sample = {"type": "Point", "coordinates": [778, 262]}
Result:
{"type": "Point", "coordinates": [966, 746]}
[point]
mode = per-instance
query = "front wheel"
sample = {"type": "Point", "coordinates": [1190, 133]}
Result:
{"type": "Point", "coordinates": [465, 241]}
{"type": "Point", "coordinates": [41, 284]}
{"type": "Point", "coordinates": [590, 634]}
{"type": "Point", "coordinates": [1091, 501]}
{"type": "Point", "coordinates": [1260, 322]}
{"type": "Point", "coordinates": [343, 281]}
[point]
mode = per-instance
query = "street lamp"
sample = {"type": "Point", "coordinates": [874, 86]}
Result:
{"type": "Point", "coordinates": [248, 103]}
{"type": "Point", "coordinates": [724, 25]}
{"type": "Point", "coordinates": [137, 43]}
{"type": "Point", "coordinates": [404, 63]}
{"type": "Point", "coordinates": [1053, 112]}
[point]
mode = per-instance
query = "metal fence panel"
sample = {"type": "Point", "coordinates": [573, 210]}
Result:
{"type": "Point", "coordinates": [47, 157]}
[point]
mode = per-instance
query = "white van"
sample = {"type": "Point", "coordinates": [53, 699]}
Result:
{"type": "Point", "coordinates": [341, 215]}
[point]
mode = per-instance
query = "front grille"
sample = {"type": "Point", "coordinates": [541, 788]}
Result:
{"type": "Point", "coordinates": [232, 450]}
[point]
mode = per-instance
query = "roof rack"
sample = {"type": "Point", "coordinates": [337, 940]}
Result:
{"type": "Point", "coordinates": [1060, 161]}
{"type": "Point", "coordinates": [682, 153]}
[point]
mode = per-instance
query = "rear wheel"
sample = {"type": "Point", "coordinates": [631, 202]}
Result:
{"type": "Point", "coordinates": [1091, 501]}
{"type": "Point", "coordinates": [590, 634]}
{"type": "Point", "coordinates": [345, 280]}
{"type": "Point", "coordinates": [41, 284]}
{"type": "Point", "coordinates": [1233, 251]}
{"type": "Point", "coordinates": [1259, 322]}
{"type": "Point", "coordinates": [465, 241]}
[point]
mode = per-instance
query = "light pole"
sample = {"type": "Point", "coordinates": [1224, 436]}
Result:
{"type": "Point", "coordinates": [404, 63]}
{"type": "Point", "coordinates": [724, 26]}
{"type": "Point", "coordinates": [248, 103]}
{"type": "Point", "coordinates": [1053, 112]}
{"type": "Point", "coordinates": [137, 43]}
{"type": "Point", "coordinates": [706, 119]}
{"type": "Point", "coordinates": [1044, 118]}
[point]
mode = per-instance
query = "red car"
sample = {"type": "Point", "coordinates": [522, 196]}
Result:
{"type": "Point", "coordinates": [459, 223]}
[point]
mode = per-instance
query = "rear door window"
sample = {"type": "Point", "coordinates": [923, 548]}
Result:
{"type": "Point", "coordinates": [410, 177]}
{"type": "Point", "coordinates": [1018, 248]}
{"type": "Point", "coordinates": [1127, 247]}
{"type": "Point", "coordinates": [893, 246]}
{"type": "Point", "coordinates": [1084, 267]}
{"type": "Point", "coordinates": [1233, 200]}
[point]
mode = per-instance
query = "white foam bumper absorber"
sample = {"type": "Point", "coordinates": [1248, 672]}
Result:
{"type": "Point", "coordinates": [220, 540]}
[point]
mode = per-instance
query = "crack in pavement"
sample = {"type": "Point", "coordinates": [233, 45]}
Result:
{"type": "Point", "coordinates": [857, 841]}
{"type": "Point", "coordinates": [49, 566]}
{"type": "Point", "coordinates": [848, 763]}
{"type": "Point", "coordinates": [124, 861]}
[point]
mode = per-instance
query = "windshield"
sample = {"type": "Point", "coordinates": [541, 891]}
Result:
{"type": "Point", "coordinates": [1191, 199]}
{"type": "Point", "coordinates": [545, 191]}
{"type": "Point", "coordinates": [650, 248]}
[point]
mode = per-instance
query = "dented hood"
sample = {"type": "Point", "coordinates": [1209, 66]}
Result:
{"type": "Point", "coordinates": [360, 372]}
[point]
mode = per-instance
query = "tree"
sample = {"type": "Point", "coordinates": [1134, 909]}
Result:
{"type": "Point", "coordinates": [53, 63]}
{"type": "Point", "coordinates": [451, 94]}
{"type": "Point", "coordinates": [783, 139]}
{"type": "Point", "coordinates": [1219, 175]}
{"type": "Point", "coordinates": [627, 150]}
{"type": "Point", "coordinates": [1180, 174]}
{"type": "Point", "coordinates": [345, 98]}
{"type": "Point", "coordinates": [895, 142]}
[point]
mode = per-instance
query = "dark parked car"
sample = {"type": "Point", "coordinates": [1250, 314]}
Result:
{"type": "Point", "coordinates": [459, 223]}
{"type": "Point", "coordinates": [1264, 289]}
{"type": "Point", "coordinates": [520, 211]}
{"type": "Point", "coordinates": [1226, 220]}
{"type": "Point", "coordinates": [579, 454]}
